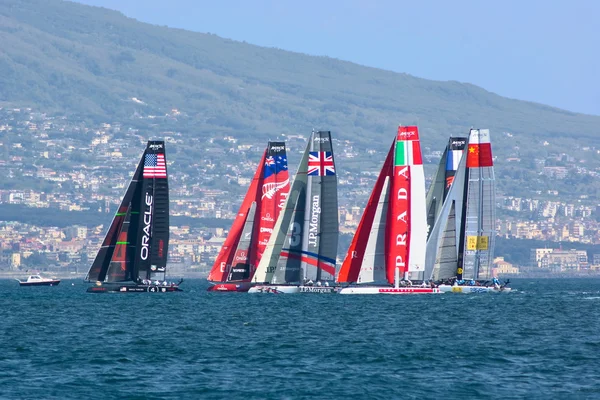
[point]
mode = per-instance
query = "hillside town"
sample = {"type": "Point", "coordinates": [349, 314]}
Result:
{"type": "Point", "coordinates": [53, 163]}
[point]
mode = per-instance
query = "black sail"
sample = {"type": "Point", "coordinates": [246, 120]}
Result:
{"type": "Point", "coordinates": [99, 267]}
{"type": "Point", "coordinates": [153, 225]}
{"type": "Point", "coordinates": [137, 242]}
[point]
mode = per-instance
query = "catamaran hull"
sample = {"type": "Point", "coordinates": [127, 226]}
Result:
{"type": "Point", "coordinates": [388, 290]}
{"type": "Point", "coordinates": [472, 289]}
{"type": "Point", "coordinates": [279, 289]}
{"type": "Point", "coordinates": [230, 287]}
{"type": "Point", "coordinates": [133, 289]}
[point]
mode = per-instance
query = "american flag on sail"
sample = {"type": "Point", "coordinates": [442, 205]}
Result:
{"type": "Point", "coordinates": [320, 163]}
{"type": "Point", "coordinates": [155, 166]}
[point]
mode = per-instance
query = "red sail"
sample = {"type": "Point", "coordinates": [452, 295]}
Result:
{"type": "Point", "coordinates": [354, 257]}
{"type": "Point", "coordinates": [220, 268]}
{"type": "Point", "coordinates": [398, 218]}
{"type": "Point", "coordinates": [271, 197]}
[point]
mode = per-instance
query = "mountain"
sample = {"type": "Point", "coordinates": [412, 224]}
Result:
{"type": "Point", "coordinates": [92, 61]}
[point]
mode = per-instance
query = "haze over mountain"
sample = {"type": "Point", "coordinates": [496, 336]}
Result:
{"type": "Point", "coordinates": [96, 63]}
{"type": "Point", "coordinates": [516, 49]}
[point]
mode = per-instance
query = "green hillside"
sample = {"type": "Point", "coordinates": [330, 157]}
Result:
{"type": "Point", "coordinates": [90, 62]}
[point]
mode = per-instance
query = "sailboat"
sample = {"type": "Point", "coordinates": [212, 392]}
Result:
{"type": "Point", "coordinates": [133, 255]}
{"type": "Point", "coordinates": [245, 244]}
{"type": "Point", "coordinates": [460, 245]}
{"type": "Point", "coordinates": [389, 243]}
{"type": "Point", "coordinates": [443, 179]}
{"type": "Point", "coordinates": [301, 254]}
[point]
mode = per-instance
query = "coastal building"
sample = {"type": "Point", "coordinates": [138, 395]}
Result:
{"type": "Point", "coordinates": [503, 267]}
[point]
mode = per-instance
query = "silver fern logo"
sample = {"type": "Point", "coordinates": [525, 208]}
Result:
{"type": "Point", "coordinates": [269, 189]}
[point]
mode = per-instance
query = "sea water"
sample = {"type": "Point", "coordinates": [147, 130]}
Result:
{"type": "Point", "coordinates": [542, 341]}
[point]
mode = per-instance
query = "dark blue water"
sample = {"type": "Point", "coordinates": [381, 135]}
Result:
{"type": "Point", "coordinates": [62, 343]}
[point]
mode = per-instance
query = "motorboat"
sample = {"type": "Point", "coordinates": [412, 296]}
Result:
{"type": "Point", "coordinates": [37, 280]}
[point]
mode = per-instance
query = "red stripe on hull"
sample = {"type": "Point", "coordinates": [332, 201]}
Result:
{"type": "Point", "coordinates": [408, 290]}
{"type": "Point", "coordinates": [230, 287]}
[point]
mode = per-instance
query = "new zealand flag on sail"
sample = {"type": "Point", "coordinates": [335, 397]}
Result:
{"type": "Point", "coordinates": [275, 164]}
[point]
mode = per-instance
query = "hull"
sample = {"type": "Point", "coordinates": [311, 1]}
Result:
{"type": "Point", "coordinates": [46, 283]}
{"type": "Point", "coordinates": [292, 289]}
{"type": "Point", "coordinates": [230, 287]}
{"type": "Point", "coordinates": [133, 289]}
{"type": "Point", "coordinates": [388, 290]}
{"type": "Point", "coordinates": [472, 289]}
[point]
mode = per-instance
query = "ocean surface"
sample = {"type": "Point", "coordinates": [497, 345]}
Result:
{"type": "Point", "coordinates": [541, 342]}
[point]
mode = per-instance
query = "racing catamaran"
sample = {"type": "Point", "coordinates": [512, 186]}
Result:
{"type": "Point", "coordinates": [133, 255]}
{"type": "Point", "coordinates": [460, 245]}
{"type": "Point", "coordinates": [245, 244]}
{"type": "Point", "coordinates": [301, 253]}
{"type": "Point", "coordinates": [389, 243]}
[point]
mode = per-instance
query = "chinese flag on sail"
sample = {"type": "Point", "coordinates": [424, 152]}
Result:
{"type": "Point", "coordinates": [479, 152]}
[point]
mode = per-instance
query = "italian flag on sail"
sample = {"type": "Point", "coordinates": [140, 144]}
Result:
{"type": "Point", "coordinates": [408, 147]}
{"type": "Point", "coordinates": [406, 214]}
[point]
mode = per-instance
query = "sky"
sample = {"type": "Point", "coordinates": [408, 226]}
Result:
{"type": "Point", "coordinates": [546, 51]}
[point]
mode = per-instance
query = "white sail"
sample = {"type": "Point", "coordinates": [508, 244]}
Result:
{"type": "Point", "coordinates": [418, 220]}
{"type": "Point", "coordinates": [446, 257]}
{"type": "Point", "coordinates": [454, 197]}
{"type": "Point", "coordinates": [373, 264]}
{"type": "Point", "coordinates": [479, 219]}
{"type": "Point", "coordinates": [304, 242]}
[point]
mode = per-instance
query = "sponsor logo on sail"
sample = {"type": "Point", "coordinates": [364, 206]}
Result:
{"type": "Point", "coordinates": [155, 146]}
{"type": "Point", "coordinates": [147, 219]}
{"type": "Point", "coordinates": [407, 134]}
{"type": "Point", "coordinates": [267, 217]}
{"type": "Point", "coordinates": [401, 219]}
{"type": "Point", "coordinates": [241, 256]}
{"type": "Point", "coordinates": [263, 229]}
{"type": "Point", "coordinates": [314, 221]}
{"type": "Point", "coordinates": [269, 189]}
{"type": "Point", "coordinates": [161, 248]}
{"type": "Point", "coordinates": [277, 148]}
{"type": "Point", "coordinates": [282, 198]}
{"type": "Point", "coordinates": [321, 139]}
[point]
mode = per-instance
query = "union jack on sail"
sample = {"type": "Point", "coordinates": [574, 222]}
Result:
{"type": "Point", "coordinates": [320, 163]}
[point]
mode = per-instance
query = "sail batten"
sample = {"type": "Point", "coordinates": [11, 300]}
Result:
{"type": "Point", "coordinates": [304, 242]}
{"type": "Point", "coordinates": [468, 214]}
{"type": "Point", "coordinates": [476, 246]}
{"type": "Point", "coordinates": [391, 236]}
{"type": "Point", "coordinates": [254, 224]}
{"type": "Point", "coordinates": [136, 244]}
